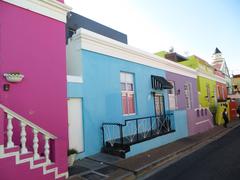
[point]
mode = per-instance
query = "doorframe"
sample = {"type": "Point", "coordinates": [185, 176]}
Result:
{"type": "Point", "coordinates": [160, 95]}
{"type": "Point", "coordinates": [83, 133]}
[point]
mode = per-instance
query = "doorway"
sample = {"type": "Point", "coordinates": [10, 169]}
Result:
{"type": "Point", "coordinates": [75, 124]}
{"type": "Point", "coordinates": [159, 104]}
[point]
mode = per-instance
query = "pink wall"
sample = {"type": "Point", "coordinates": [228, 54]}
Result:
{"type": "Point", "coordinates": [22, 171]}
{"type": "Point", "coordinates": [199, 124]}
{"type": "Point", "coordinates": [34, 45]}
{"type": "Point", "coordinates": [1, 127]}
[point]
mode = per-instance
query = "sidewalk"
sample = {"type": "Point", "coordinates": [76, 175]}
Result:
{"type": "Point", "coordinates": [104, 166]}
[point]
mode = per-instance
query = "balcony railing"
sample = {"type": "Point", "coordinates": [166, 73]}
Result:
{"type": "Point", "coordinates": [136, 130]}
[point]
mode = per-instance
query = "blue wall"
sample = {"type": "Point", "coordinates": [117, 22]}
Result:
{"type": "Point", "coordinates": [101, 94]}
{"type": "Point", "coordinates": [180, 119]}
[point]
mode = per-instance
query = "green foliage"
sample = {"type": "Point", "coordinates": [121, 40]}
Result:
{"type": "Point", "coordinates": [72, 151]}
{"type": "Point", "coordinates": [161, 53]}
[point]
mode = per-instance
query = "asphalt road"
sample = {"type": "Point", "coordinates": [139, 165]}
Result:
{"type": "Point", "coordinates": [219, 160]}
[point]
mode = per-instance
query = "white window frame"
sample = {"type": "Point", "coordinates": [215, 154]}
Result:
{"type": "Point", "coordinates": [172, 95]}
{"type": "Point", "coordinates": [218, 93]}
{"type": "Point", "coordinates": [208, 91]}
{"type": "Point", "coordinates": [223, 94]}
{"type": "Point", "coordinates": [188, 98]}
{"type": "Point", "coordinates": [126, 80]}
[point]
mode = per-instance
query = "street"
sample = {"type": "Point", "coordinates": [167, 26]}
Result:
{"type": "Point", "coordinates": [219, 160]}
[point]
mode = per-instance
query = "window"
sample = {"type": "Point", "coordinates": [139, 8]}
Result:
{"type": "Point", "coordinates": [159, 104]}
{"type": "Point", "coordinates": [127, 90]}
{"type": "Point", "coordinates": [218, 92]}
{"type": "Point", "coordinates": [172, 91]}
{"type": "Point", "coordinates": [172, 96]}
{"type": "Point", "coordinates": [188, 95]}
{"type": "Point", "coordinates": [208, 92]}
{"type": "Point", "coordinates": [223, 94]}
{"type": "Point", "coordinates": [198, 114]}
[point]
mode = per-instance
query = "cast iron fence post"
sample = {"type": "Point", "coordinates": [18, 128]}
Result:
{"type": "Point", "coordinates": [121, 134]}
{"type": "Point", "coordinates": [151, 126]}
{"type": "Point", "coordinates": [137, 128]}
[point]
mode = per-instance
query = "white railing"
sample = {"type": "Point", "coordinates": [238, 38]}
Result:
{"type": "Point", "coordinates": [35, 129]}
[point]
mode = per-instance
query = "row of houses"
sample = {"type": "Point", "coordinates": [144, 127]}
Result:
{"type": "Point", "coordinates": [69, 82]}
{"type": "Point", "coordinates": [133, 101]}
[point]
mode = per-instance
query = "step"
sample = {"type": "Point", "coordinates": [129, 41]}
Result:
{"type": "Point", "coordinates": [115, 151]}
{"type": "Point", "coordinates": [26, 155]}
{"type": "Point", "coordinates": [41, 160]}
{"type": "Point", "coordinates": [51, 166]}
{"type": "Point", "coordinates": [12, 149]}
{"type": "Point", "coordinates": [118, 145]}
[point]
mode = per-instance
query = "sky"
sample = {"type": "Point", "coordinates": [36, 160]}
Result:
{"type": "Point", "coordinates": [189, 26]}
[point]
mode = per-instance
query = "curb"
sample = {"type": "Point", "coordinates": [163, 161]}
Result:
{"type": "Point", "coordinates": [187, 150]}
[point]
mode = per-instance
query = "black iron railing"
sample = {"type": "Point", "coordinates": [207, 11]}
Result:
{"type": "Point", "coordinates": [136, 130]}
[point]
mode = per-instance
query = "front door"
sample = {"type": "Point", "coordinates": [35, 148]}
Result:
{"type": "Point", "coordinates": [75, 124]}
{"type": "Point", "coordinates": [159, 104]}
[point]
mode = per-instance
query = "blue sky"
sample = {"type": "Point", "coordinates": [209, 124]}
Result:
{"type": "Point", "coordinates": [191, 27]}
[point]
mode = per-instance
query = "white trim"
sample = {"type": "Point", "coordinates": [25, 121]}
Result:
{"type": "Point", "coordinates": [204, 121]}
{"type": "Point", "coordinates": [74, 79]}
{"type": "Point", "coordinates": [27, 122]}
{"type": "Point", "coordinates": [1, 150]}
{"type": "Point", "coordinates": [31, 162]}
{"type": "Point", "coordinates": [97, 43]}
{"type": "Point", "coordinates": [50, 8]}
{"type": "Point", "coordinates": [212, 77]}
{"type": "Point", "coordinates": [201, 122]}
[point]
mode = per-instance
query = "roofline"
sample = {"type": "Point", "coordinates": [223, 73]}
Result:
{"type": "Point", "coordinates": [100, 44]}
{"type": "Point", "coordinates": [50, 8]}
{"type": "Point", "coordinates": [97, 43]}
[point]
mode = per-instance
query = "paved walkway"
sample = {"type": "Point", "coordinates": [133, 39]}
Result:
{"type": "Point", "coordinates": [104, 166]}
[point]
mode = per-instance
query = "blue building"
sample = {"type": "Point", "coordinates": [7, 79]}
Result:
{"type": "Point", "coordinates": [122, 96]}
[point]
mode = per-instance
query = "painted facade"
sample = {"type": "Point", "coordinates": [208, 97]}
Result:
{"type": "Point", "coordinates": [207, 81]}
{"type": "Point", "coordinates": [213, 82]}
{"type": "Point", "coordinates": [101, 94]}
{"type": "Point", "coordinates": [206, 77]}
{"type": "Point", "coordinates": [219, 63]}
{"type": "Point", "coordinates": [32, 43]}
{"type": "Point", "coordinates": [236, 88]}
{"type": "Point", "coordinates": [236, 83]}
{"type": "Point", "coordinates": [199, 119]}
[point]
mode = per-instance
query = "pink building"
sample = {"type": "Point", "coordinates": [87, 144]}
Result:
{"type": "Point", "coordinates": [33, 112]}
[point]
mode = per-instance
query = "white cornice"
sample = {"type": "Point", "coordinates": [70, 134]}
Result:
{"type": "Point", "coordinates": [212, 77]}
{"type": "Point", "coordinates": [97, 43]}
{"type": "Point", "coordinates": [50, 8]}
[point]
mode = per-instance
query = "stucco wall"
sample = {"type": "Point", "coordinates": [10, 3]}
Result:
{"type": "Point", "coordinates": [102, 94]}
{"type": "Point", "coordinates": [202, 84]}
{"type": "Point", "coordinates": [179, 83]}
{"type": "Point", "coordinates": [181, 132]}
{"type": "Point", "coordinates": [34, 45]}
{"type": "Point", "coordinates": [191, 62]}
{"type": "Point", "coordinates": [200, 121]}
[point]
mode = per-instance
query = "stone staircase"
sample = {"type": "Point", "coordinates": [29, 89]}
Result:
{"type": "Point", "coordinates": [20, 155]}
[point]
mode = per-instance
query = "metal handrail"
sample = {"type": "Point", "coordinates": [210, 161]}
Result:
{"type": "Point", "coordinates": [134, 119]}
{"type": "Point", "coordinates": [128, 120]}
